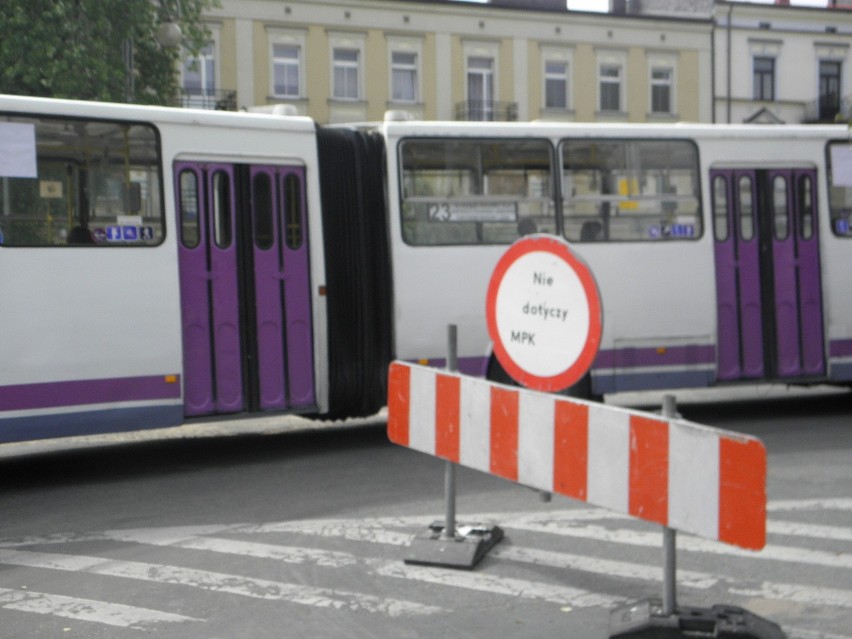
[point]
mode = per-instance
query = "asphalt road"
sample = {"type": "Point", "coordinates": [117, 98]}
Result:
{"type": "Point", "coordinates": [284, 528]}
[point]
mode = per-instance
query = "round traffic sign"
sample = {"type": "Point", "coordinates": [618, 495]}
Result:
{"type": "Point", "coordinates": [544, 313]}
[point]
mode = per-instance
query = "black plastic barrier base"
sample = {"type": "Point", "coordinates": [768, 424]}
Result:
{"type": "Point", "coordinates": [469, 545]}
{"type": "Point", "coordinates": [645, 620]}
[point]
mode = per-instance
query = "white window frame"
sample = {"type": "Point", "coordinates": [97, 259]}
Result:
{"type": "Point", "coordinates": [474, 50]}
{"type": "Point", "coordinates": [757, 92]}
{"type": "Point", "coordinates": [763, 48]}
{"type": "Point", "coordinates": [347, 42]}
{"type": "Point", "coordinates": [833, 52]}
{"type": "Point", "coordinates": [558, 55]}
{"type": "Point", "coordinates": [662, 62]}
{"type": "Point", "coordinates": [208, 95]}
{"type": "Point", "coordinates": [405, 46]}
{"type": "Point", "coordinates": [289, 38]}
{"type": "Point", "coordinates": [612, 60]}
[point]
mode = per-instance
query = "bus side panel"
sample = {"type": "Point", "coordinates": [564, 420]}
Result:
{"type": "Point", "coordinates": [91, 337]}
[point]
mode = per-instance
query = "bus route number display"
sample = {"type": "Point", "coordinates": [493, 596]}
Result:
{"type": "Point", "coordinates": [543, 312]}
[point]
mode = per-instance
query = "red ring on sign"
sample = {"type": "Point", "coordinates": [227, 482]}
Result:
{"type": "Point", "coordinates": [575, 371]}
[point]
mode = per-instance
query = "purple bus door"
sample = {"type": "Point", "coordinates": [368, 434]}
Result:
{"type": "Point", "coordinates": [209, 293]}
{"type": "Point", "coordinates": [738, 293]}
{"type": "Point", "coordinates": [235, 342]}
{"type": "Point", "coordinates": [795, 264]}
{"type": "Point", "coordinates": [767, 274]}
{"type": "Point", "coordinates": [282, 293]}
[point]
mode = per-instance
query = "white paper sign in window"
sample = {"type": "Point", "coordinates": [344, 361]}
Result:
{"type": "Point", "coordinates": [17, 150]}
{"type": "Point", "coordinates": [841, 165]}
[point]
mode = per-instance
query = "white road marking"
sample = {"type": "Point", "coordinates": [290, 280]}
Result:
{"type": "Point", "coordinates": [798, 593]}
{"type": "Point", "coordinates": [397, 531]}
{"type": "Point", "coordinates": [790, 554]}
{"type": "Point", "coordinates": [839, 503]}
{"type": "Point", "coordinates": [606, 567]}
{"type": "Point", "coordinates": [553, 523]}
{"type": "Point", "coordinates": [287, 554]}
{"type": "Point", "coordinates": [814, 531]}
{"type": "Point", "coordinates": [111, 614]}
{"type": "Point", "coordinates": [453, 578]}
{"type": "Point", "coordinates": [505, 551]}
{"type": "Point", "coordinates": [563, 595]}
{"type": "Point", "coordinates": [219, 582]}
{"type": "Point", "coordinates": [813, 595]}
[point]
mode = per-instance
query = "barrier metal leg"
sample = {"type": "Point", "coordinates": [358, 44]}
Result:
{"type": "Point", "coordinates": [663, 619]}
{"type": "Point", "coordinates": [444, 543]}
{"type": "Point", "coordinates": [669, 539]}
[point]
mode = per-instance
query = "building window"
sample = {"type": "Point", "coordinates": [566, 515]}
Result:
{"type": "Point", "coordinates": [286, 64]}
{"type": "Point", "coordinates": [480, 88]}
{"type": "Point", "coordinates": [829, 89]}
{"type": "Point", "coordinates": [556, 85]}
{"type": "Point", "coordinates": [346, 73]}
{"type": "Point", "coordinates": [661, 90]}
{"type": "Point", "coordinates": [199, 77]}
{"type": "Point", "coordinates": [610, 87]}
{"type": "Point", "coordinates": [404, 76]}
{"type": "Point", "coordinates": [764, 78]}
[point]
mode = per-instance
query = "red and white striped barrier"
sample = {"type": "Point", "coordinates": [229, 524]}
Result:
{"type": "Point", "coordinates": [685, 476]}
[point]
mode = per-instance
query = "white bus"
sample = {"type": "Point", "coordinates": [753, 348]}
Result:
{"type": "Point", "coordinates": [721, 252]}
{"type": "Point", "coordinates": [161, 265]}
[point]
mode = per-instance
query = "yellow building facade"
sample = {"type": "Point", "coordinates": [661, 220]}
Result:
{"type": "Point", "coordinates": [354, 60]}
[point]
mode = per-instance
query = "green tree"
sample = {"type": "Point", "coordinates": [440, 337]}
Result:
{"type": "Point", "coordinates": [105, 50]}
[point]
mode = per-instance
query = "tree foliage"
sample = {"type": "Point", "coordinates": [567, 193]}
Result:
{"type": "Point", "coordinates": [104, 50]}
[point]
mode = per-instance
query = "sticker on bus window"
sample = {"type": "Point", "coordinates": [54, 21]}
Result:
{"type": "Point", "coordinates": [17, 150]}
{"type": "Point", "coordinates": [50, 189]}
{"type": "Point", "coordinates": [678, 231]}
{"type": "Point", "coordinates": [472, 212]}
{"type": "Point", "coordinates": [842, 226]}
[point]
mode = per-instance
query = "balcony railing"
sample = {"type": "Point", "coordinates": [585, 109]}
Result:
{"type": "Point", "coordinates": [220, 100]}
{"type": "Point", "coordinates": [828, 111]}
{"type": "Point", "coordinates": [479, 111]}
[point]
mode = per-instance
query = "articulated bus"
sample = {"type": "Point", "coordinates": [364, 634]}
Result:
{"type": "Point", "coordinates": [165, 265]}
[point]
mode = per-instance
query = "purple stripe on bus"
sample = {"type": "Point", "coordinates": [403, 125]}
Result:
{"type": "Point", "coordinates": [841, 348]}
{"type": "Point", "coordinates": [629, 381]}
{"type": "Point", "coordinates": [661, 356]}
{"type": "Point", "coordinates": [89, 391]}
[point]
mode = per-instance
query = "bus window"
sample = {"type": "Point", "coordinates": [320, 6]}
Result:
{"type": "Point", "coordinates": [720, 208]}
{"type": "Point", "coordinates": [222, 233]}
{"type": "Point", "coordinates": [475, 191]}
{"type": "Point", "coordinates": [91, 182]}
{"type": "Point", "coordinates": [746, 208]}
{"type": "Point", "coordinates": [190, 220]}
{"type": "Point", "coordinates": [263, 223]}
{"type": "Point", "coordinates": [806, 208]}
{"type": "Point", "coordinates": [780, 210]}
{"type": "Point", "coordinates": [840, 187]}
{"type": "Point", "coordinates": [293, 211]}
{"type": "Point", "coordinates": [627, 190]}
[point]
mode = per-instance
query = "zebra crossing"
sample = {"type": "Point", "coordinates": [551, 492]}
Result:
{"type": "Point", "coordinates": [573, 558]}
